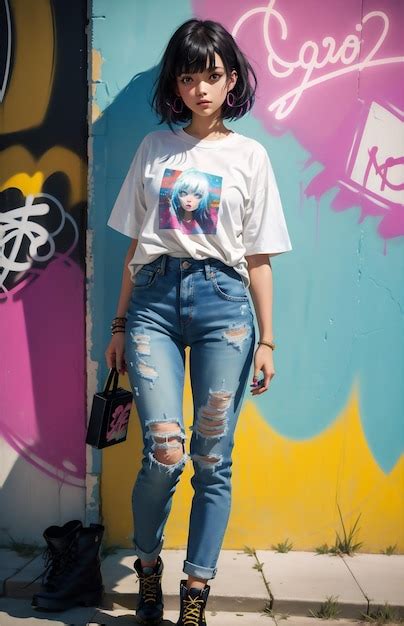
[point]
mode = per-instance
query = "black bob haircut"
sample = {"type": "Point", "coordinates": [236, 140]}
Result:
{"type": "Point", "coordinates": [192, 49]}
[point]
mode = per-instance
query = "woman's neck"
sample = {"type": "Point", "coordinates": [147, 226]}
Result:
{"type": "Point", "coordinates": [207, 128]}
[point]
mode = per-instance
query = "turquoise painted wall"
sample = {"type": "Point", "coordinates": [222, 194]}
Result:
{"type": "Point", "coordinates": [338, 297]}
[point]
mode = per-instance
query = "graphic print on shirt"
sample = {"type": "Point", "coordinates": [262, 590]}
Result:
{"type": "Point", "coordinates": [189, 201]}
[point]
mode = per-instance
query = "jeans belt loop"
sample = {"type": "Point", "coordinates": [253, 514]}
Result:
{"type": "Point", "coordinates": [207, 269]}
{"type": "Point", "coordinates": [162, 267]}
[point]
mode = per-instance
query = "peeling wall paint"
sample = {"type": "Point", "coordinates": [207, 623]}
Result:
{"type": "Point", "coordinates": [97, 61]}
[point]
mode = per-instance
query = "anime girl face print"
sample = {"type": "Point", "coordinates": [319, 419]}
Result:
{"type": "Point", "coordinates": [189, 201]}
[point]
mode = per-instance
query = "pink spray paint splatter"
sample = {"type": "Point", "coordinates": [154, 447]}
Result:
{"type": "Point", "coordinates": [332, 74]}
{"type": "Point", "coordinates": [42, 380]}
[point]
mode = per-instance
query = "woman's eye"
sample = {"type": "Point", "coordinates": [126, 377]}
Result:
{"type": "Point", "coordinates": [198, 196]}
{"type": "Point", "coordinates": [186, 80]}
{"type": "Point", "coordinates": [215, 76]}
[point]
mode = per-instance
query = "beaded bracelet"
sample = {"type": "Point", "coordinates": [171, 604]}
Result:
{"type": "Point", "coordinates": [118, 325]}
{"type": "Point", "coordinates": [267, 343]}
{"type": "Point", "coordinates": [119, 320]}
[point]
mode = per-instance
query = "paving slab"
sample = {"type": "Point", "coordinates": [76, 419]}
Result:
{"type": "Point", "coordinates": [301, 620]}
{"type": "Point", "coordinates": [15, 585]}
{"type": "Point", "coordinates": [10, 564]}
{"type": "Point", "coordinates": [216, 618]}
{"type": "Point", "coordinates": [229, 592]}
{"type": "Point", "coordinates": [380, 577]}
{"type": "Point", "coordinates": [18, 612]}
{"type": "Point", "coordinates": [238, 586]}
{"type": "Point", "coordinates": [300, 581]}
{"type": "Point", "coordinates": [213, 618]}
{"type": "Point", "coordinates": [120, 580]}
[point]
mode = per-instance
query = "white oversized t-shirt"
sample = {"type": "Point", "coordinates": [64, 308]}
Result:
{"type": "Point", "coordinates": [188, 197]}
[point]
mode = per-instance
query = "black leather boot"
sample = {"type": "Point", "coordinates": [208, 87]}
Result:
{"type": "Point", "coordinates": [73, 574]}
{"type": "Point", "coordinates": [150, 605]}
{"type": "Point", "coordinates": [193, 604]}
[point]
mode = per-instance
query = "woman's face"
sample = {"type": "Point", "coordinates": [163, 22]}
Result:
{"type": "Point", "coordinates": [205, 92]}
{"type": "Point", "coordinates": [189, 200]}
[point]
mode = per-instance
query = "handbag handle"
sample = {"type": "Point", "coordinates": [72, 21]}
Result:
{"type": "Point", "coordinates": [115, 375]}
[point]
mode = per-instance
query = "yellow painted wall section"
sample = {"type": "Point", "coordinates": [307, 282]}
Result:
{"type": "Point", "coordinates": [34, 23]}
{"type": "Point", "coordinates": [282, 488]}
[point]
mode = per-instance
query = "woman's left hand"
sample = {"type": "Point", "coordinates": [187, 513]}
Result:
{"type": "Point", "coordinates": [263, 361]}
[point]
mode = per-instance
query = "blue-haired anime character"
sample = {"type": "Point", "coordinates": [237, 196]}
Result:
{"type": "Point", "coordinates": [190, 197]}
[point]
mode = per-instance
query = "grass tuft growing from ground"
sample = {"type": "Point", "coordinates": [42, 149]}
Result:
{"type": "Point", "coordinates": [23, 548]}
{"type": "Point", "coordinates": [282, 546]}
{"type": "Point", "coordinates": [389, 550]}
{"type": "Point", "coordinates": [328, 609]}
{"type": "Point", "coordinates": [382, 615]}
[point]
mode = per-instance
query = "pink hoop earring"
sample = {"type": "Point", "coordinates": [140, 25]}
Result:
{"type": "Point", "coordinates": [230, 99]}
{"type": "Point", "coordinates": [173, 106]}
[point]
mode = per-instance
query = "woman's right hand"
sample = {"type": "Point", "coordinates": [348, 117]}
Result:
{"type": "Point", "coordinates": [115, 353]}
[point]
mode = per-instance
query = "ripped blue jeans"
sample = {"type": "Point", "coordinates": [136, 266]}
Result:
{"type": "Point", "coordinates": [203, 304]}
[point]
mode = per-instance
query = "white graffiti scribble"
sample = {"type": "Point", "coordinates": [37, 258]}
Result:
{"type": "Point", "coordinates": [16, 224]}
{"type": "Point", "coordinates": [311, 57]}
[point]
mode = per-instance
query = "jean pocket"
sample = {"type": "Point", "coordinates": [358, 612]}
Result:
{"type": "Point", "coordinates": [144, 278]}
{"type": "Point", "coordinates": [229, 284]}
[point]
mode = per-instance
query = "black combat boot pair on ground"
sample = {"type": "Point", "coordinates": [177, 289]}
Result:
{"type": "Point", "coordinates": [72, 575]}
{"type": "Point", "coordinates": [150, 604]}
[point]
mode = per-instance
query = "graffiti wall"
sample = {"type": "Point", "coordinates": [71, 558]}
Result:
{"type": "Point", "coordinates": [327, 438]}
{"type": "Point", "coordinates": [43, 191]}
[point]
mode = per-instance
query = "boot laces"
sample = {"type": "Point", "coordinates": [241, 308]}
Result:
{"type": "Point", "coordinates": [192, 611]}
{"type": "Point", "coordinates": [55, 563]}
{"type": "Point", "coordinates": [148, 586]}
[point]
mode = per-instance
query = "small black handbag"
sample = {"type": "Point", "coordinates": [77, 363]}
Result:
{"type": "Point", "coordinates": [109, 417]}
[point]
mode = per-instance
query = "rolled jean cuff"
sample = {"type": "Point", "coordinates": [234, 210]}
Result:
{"type": "Point", "coordinates": [199, 572]}
{"type": "Point", "coordinates": [149, 556]}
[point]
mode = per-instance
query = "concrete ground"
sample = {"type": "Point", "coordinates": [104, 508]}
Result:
{"type": "Point", "coordinates": [288, 584]}
{"type": "Point", "coordinates": [19, 613]}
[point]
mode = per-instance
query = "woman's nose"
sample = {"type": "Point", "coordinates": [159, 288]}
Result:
{"type": "Point", "coordinates": [201, 89]}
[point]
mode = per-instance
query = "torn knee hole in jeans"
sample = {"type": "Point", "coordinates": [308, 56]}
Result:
{"type": "Point", "coordinates": [168, 444]}
{"type": "Point", "coordinates": [212, 417]}
{"type": "Point", "coordinates": [208, 461]}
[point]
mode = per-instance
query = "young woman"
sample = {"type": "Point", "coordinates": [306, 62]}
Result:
{"type": "Point", "coordinates": [183, 288]}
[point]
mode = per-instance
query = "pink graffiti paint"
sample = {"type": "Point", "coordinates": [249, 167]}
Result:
{"type": "Point", "coordinates": [321, 66]}
{"type": "Point", "coordinates": [119, 422]}
{"type": "Point", "coordinates": [382, 170]}
{"type": "Point", "coordinates": [42, 379]}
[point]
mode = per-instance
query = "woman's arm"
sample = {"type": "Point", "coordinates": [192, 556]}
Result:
{"type": "Point", "coordinates": [115, 352]}
{"type": "Point", "coordinates": [126, 284]}
{"type": "Point", "coordinates": [261, 289]}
